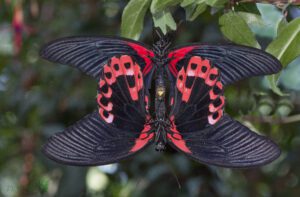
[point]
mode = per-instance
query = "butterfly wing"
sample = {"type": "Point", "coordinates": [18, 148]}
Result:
{"type": "Point", "coordinates": [117, 129]}
{"type": "Point", "coordinates": [229, 144]}
{"type": "Point", "coordinates": [235, 62]}
{"type": "Point", "coordinates": [90, 54]}
{"type": "Point", "coordinates": [200, 128]}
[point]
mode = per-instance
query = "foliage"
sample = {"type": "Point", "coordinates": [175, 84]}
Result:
{"type": "Point", "coordinates": [38, 98]}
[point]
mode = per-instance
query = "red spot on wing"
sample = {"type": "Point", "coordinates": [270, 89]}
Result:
{"type": "Point", "coordinates": [143, 139]}
{"type": "Point", "coordinates": [109, 118]}
{"type": "Point", "coordinates": [186, 94]}
{"type": "Point", "coordinates": [107, 107]}
{"type": "Point", "coordinates": [180, 84]}
{"type": "Point", "coordinates": [176, 138]}
{"type": "Point", "coordinates": [145, 53]}
{"type": "Point", "coordinates": [212, 72]}
{"type": "Point", "coordinates": [101, 83]}
{"type": "Point", "coordinates": [204, 69]}
{"type": "Point", "coordinates": [138, 77]}
{"type": "Point", "coordinates": [172, 101]}
{"type": "Point", "coordinates": [147, 102]}
{"type": "Point", "coordinates": [213, 120]}
{"type": "Point", "coordinates": [212, 95]}
{"type": "Point", "coordinates": [213, 108]}
{"type": "Point", "coordinates": [108, 75]}
{"type": "Point", "coordinates": [116, 66]}
{"type": "Point", "coordinates": [176, 56]}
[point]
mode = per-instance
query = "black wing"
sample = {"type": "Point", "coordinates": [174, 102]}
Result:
{"type": "Point", "coordinates": [230, 144]}
{"type": "Point", "coordinates": [235, 62]}
{"type": "Point", "coordinates": [120, 126]}
{"type": "Point", "coordinates": [89, 54]}
{"type": "Point", "coordinates": [90, 141]}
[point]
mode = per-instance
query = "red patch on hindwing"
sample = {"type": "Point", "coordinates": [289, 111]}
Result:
{"type": "Point", "coordinates": [176, 138]}
{"type": "Point", "coordinates": [106, 116]}
{"type": "Point", "coordinates": [147, 102]}
{"type": "Point", "coordinates": [215, 117]}
{"type": "Point", "coordinates": [143, 139]}
{"type": "Point", "coordinates": [119, 69]}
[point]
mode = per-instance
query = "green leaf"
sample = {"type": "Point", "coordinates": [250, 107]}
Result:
{"type": "Point", "coordinates": [216, 3]}
{"type": "Point", "coordinates": [252, 19]}
{"type": "Point", "coordinates": [164, 21]}
{"type": "Point", "coordinates": [133, 18]}
{"type": "Point", "coordinates": [161, 5]}
{"type": "Point", "coordinates": [236, 30]}
{"type": "Point", "coordinates": [271, 16]}
{"type": "Point", "coordinates": [194, 10]}
{"type": "Point", "coordinates": [281, 25]}
{"type": "Point", "coordinates": [285, 48]}
{"type": "Point", "coordinates": [185, 3]}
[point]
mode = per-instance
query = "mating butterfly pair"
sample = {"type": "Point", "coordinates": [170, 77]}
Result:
{"type": "Point", "coordinates": [185, 110]}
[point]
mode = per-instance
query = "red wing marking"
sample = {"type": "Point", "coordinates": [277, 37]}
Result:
{"type": "Point", "coordinates": [215, 91]}
{"type": "Point", "coordinates": [193, 66]}
{"type": "Point", "coordinates": [181, 80]}
{"type": "Point", "coordinates": [101, 83]}
{"type": "Point", "coordinates": [186, 94]}
{"type": "Point", "coordinates": [181, 85]}
{"type": "Point", "coordinates": [213, 108]}
{"type": "Point", "coordinates": [108, 75]}
{"type": "Point", "coordinates": [212, 77]}
{"type": "Point", "coordinates": [204, 69]}
{"type": "Point", "coordinates": [145, 54]}
{"type": "Point", "coordinates": [143, 139]}
{"type": "Point", "coordinates": [147, 102]}
{"type": "Point", "coordinates": [172, 101]}
{"type": "Point", "coordinates": [176, 56]}
{"type": "Point", "coordinates": [177, 139]}
{"type": "Point", "coordinates": [118, 67]}
{"type": "Point", "coordinates": [138, 77]}
{"type": "Point", "coordinates": [186, 80]}
{"type": "Point", "coordinates": [215, 117]}
{"type": "Point", "coordinates": [106, 116]}
{"type": "Point", "coordinates": [107, 107]}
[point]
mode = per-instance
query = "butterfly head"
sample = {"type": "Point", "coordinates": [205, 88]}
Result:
{"type": "Point", "coordinates": [162, 45]}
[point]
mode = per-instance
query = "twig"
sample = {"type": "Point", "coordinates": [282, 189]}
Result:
{"type": "Point", "coordinates": [274, 120]}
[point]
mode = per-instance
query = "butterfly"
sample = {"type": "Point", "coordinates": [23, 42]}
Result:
{"type": "Point", "coordinates": [161, 96]}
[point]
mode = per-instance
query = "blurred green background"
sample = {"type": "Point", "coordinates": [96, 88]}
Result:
{"type": "Point", "coordinates": [38, 99]}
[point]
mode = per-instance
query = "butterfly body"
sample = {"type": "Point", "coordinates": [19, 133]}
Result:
{"type": "Point", "coordinates": [169, 97]}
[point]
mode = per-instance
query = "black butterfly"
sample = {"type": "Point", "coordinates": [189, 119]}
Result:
{"type": "Point", "coordinates": [186, 110]}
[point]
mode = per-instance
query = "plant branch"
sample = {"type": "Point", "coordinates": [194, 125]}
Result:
{"type": "Point", "coordinates": [274, 120]}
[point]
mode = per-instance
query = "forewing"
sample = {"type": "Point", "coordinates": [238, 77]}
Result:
{"type": "Point", "coordinates": [229, 144]}
{"type": "Point", "coordinates": [120, 126]}
{"type": "Point", "coordinates": [235, 62]}
{"type": "Point", "coordinates": [89, 54]}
